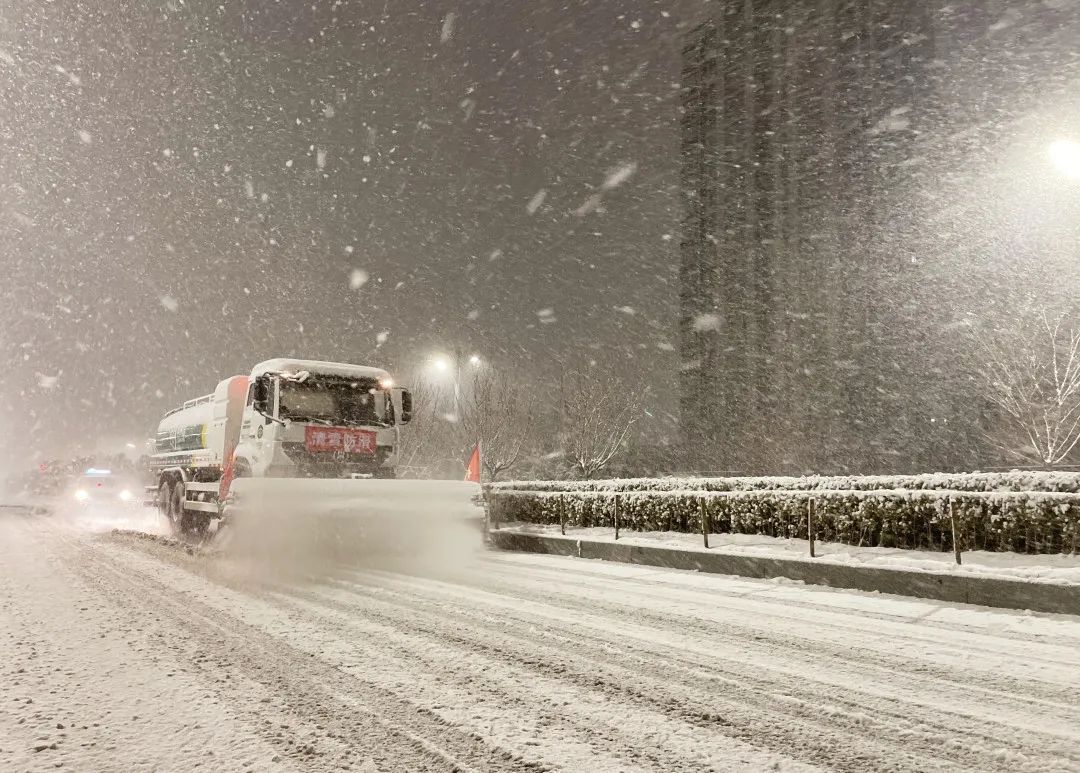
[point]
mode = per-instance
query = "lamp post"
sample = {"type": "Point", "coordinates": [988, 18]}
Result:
{"type": "Point", "coordinates": [453, 367]}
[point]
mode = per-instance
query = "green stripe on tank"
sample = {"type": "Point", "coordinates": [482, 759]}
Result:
{"type": "Point", "coordinates": [189, 438]}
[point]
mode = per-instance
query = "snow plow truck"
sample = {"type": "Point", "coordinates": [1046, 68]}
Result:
{"type": "Point", "coordinates": [286, 419]}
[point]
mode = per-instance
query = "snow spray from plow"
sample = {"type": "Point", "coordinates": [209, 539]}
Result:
{"type": "Point", "coordinates": [311, 525]}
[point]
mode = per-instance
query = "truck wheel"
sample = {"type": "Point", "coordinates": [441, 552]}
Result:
{"type": "Point", "coordinates": [200, 524]}
{"type": "Point", "coordinates": [177, 513]}
{"type": "Point", "coordinates": [163, 500]}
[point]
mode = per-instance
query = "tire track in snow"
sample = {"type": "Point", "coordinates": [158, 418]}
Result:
{"type": "Point", "coordinates": [344, 708]}
{"type": "Point", "coordinates": [676, 748]}
{"type": "Point", "coordinates": [873, 719]}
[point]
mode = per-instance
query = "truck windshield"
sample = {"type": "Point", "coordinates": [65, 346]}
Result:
{"type": "Point", "coordinates": [340, 402]}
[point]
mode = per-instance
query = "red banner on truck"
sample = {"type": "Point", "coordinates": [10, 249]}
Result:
{"type": "Point", "coordinates": [339, 440]}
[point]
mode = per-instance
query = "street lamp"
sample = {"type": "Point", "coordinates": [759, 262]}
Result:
{"type": "Point", "coordinates": [1065, 154]}
{"type": "Point", "coordinates": [454, 367]}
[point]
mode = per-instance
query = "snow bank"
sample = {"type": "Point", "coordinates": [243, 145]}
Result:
{"type": "Point", "coordinates": [1059, 569]}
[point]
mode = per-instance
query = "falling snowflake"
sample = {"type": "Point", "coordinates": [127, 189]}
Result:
{"type": "Point", "coordinates": [447, 27]}
{"type": "Point", "coordinates": [358, 278]}
{"type": "Point", "coordinates": [46, 382]}
{"type": "Point", "coordinates": [706, 322]}
{"type": "Point", "coordinates": [169, 302]}
{"type": "Point", "coordinates": [85, 137]}
{"type": "Point", "coordinates": [547, 316]}
{"type": "Point", "coordinates": [382, 337]}
{"type": "Point", "coordinates": [619, 175]}
{"type": "Point", "coordinates": [320, 158]}
{"type": "Point", "coordinates": [536, 201]}
{"type": "Point", "coordinates": [73, 79]}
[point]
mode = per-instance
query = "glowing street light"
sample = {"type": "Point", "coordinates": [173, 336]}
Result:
{"type": "Point", "coordinates": [1065, 154]}
{"type": "Point", "coordinates": [475, 360]}
{"type": "Point", "coordinates": [440, 364]}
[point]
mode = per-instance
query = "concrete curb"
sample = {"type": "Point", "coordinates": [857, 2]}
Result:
{"type": "Point", "coordinates": [963, 589]}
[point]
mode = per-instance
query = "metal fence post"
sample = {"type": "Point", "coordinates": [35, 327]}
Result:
{"type": "Point", "coordinates": [1076, 527]}
{"type": "Point", "coordinates": [955, 540]}
{"type": "Point", "coordinates": [616, 516]}
{"type": "Point", "coordinates": [704, 521]}
{"type": "Point", "coordinates": [562, 516]}
{"type": "Point", "coordinates": [810, 524]}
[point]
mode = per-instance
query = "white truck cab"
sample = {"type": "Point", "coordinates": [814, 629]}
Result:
{"type": "Point", "coordinates": [305, 418]}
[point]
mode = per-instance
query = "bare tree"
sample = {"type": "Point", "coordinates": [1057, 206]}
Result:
{"type": "Point", "coordinates": [598, 412]}
{"type": "Point", "coordinates": [431, 440]}
{"type": "Point", "coordinates": [497, 414]}
{"type": "Point", "coordinates": [1035, 381]}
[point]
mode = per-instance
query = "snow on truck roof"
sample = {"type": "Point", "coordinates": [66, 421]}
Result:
{"type": "Point", "coordinates": [319, 367]}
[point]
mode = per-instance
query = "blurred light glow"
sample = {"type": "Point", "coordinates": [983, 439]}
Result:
{"type": "Point", "coordinates": [474, 360]}
{"type": "Point", "coordinates": [386, 383]}
{"type": "Point", "coordinates": [82, 495]}
{"type": "Point", "coordinates": [1066, 157]}
{"type": "Point", "coordinates": [440, 364]}
{"type": "Point", "coordinates": [125, 495]}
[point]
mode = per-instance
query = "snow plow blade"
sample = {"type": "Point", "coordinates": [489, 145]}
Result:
{"type": "Point", "coordinates": [309, 525]}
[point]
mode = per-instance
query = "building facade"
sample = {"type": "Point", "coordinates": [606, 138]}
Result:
{"type": "Point", "coordinates": [836, 158]}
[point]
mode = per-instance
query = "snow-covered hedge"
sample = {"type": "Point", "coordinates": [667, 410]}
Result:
{"type": "Point", "coordinates": [1017, 480]}
{"type": "Point", "coordinates": [992, 513]}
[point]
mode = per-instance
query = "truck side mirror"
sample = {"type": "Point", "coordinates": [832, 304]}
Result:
{"type": "Point", "coordinates": [402, 401]}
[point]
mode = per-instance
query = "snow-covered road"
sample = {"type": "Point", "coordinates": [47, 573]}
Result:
{"type": "Point", "coordinates": [118, 653]}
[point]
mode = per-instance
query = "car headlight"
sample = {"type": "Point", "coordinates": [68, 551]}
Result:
{"type": "Point", "coordinates": [125, 495]}
{"type": "Point", "coordinates": [82, 495]}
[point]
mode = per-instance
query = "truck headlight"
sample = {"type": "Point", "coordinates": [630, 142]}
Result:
{"type": "Point", "coordinates": [82, 495]}
{"type": "Point", "coordinates": [125, 495]}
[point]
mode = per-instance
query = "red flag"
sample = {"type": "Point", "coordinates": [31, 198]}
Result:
{"type": "Point", "coordinates": [472, 470]}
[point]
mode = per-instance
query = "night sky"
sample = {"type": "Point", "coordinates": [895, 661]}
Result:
{"type": "Point", "coordinates": [187, 188]}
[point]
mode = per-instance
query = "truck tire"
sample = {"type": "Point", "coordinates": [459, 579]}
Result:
{"type": "Point", "coordinates": [163, 500]}
{"type": "Point", "coordinates": [200, 524]}
{"type": "Point", "coordinates": [177, 513]}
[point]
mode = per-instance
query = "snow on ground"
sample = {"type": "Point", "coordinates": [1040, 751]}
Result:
{"type": "Point", "coordinates": [121, 653]}
{"type": "Point", "coordinates": [1060, 569]}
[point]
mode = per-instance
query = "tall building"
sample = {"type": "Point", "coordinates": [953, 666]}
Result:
{"type": "Point", "coordinates": [834, 161]}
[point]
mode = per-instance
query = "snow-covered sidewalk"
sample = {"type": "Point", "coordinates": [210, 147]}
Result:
{"type": "Point", "coordinates": [1056, 569]}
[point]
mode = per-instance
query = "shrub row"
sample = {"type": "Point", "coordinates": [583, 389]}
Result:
{"type": "Point", "coordinates": [1020, 521]}
{"type": "Point", "coordinates": [1016, 480]}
